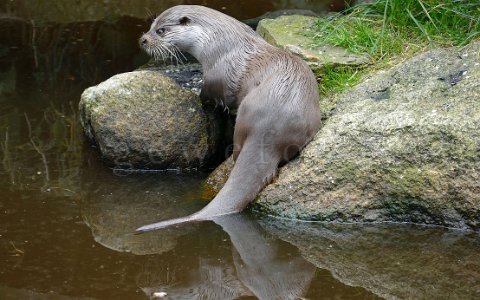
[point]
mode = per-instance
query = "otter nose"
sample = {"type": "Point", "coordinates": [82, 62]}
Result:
{"type": "Point", "coordinates": [143, 41]}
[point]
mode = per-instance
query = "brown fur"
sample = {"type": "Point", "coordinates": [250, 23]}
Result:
{"type": "Point", "coordinates": [275, 94]}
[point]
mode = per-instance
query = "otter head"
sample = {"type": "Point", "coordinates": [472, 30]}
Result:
{"type": "Point", "coordinates": [201, 31]}
{"type": "Point", "coordinates": [176, 30]}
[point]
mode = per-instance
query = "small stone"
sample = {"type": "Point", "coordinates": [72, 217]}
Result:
{"type": "Point", "coordinates": [159, 295]}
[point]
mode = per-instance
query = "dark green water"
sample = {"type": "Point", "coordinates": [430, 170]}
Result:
{"type": "Point", "coordinates": [67, 219]}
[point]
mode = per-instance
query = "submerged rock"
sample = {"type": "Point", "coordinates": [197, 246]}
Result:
{"type": "Point", "coordinates": [402, 146]}
{"type": "Point", "coordinates": [144, 119]}
{"type": "Point", "coordinates": [288, 32]}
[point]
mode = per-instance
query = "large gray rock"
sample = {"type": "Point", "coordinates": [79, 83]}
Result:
{"type": "Point", "coordinates": [403, 146]}
{"type": "Point", "coordinates": [144, 119]}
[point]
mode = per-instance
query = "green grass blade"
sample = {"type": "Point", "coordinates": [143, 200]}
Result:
{"type": "Point", "coordinates": [419, 25]}
{"type": "Point", "coordinates": [427, 14]}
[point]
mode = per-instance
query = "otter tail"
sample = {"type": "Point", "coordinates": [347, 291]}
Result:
{"type": "Point", "coordinates": [254, 169]}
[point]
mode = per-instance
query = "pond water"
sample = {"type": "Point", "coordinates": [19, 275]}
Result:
{"type": "Point", "coordinates": [67, 219]}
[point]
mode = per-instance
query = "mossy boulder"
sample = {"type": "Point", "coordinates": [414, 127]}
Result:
{"type": "Point", "coordinates": [144, 119]}
{"type": "Point", "coordinates": [402, 146]}
{"type": "Point", "coordinates": [291, 33]}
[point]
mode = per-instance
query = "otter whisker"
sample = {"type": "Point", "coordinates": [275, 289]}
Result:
{"type": "Point", "coordinates": [159, 53]}
{"type": "Point", "coordinates": [151, 15]}
{"type": "Point", "coordinates": [177, 56]}
{"type": "Point", "coordinates": [180, 53]}
{"type": "Point", "coordinates": [153, 53]}
{"type": "Point", "coordinates": [163, 52]}
{"type": "Point", "coordinates": [172, 53]}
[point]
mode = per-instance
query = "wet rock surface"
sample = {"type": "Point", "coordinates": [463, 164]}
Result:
{"type": "Point", "coordinates": [144, 119]}
{"type": "Point", "coordinates": [217, 178]}
{"type": "Point", "coordinates": [188, 75]}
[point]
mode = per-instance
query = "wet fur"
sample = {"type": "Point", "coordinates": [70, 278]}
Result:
{"type": "Point", "coordinates": [274, 91]}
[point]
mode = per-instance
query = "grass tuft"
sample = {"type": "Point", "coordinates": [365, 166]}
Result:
{"type": "Point", "coordinates": [386, 29]}
{"type": "Point", "coordinates": [338, 78]}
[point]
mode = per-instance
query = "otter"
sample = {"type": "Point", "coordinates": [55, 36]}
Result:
{"type": "Point", "coordinates": [274, 92]}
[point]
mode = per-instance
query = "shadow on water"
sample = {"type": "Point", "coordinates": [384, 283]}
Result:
{"type": "Point", "coordinates": [67, 220]}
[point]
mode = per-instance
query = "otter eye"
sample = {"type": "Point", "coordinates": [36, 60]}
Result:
{"type": "Point", "coordinates": [184, 21]}
{"type": "Point", "coordinates": [160, 30]}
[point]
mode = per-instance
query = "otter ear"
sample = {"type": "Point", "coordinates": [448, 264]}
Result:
{"type": "Point", "coordinates": [184, 21]}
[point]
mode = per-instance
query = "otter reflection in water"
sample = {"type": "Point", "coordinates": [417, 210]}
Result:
{"type": "Point", "coordinates": [261, 268]}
